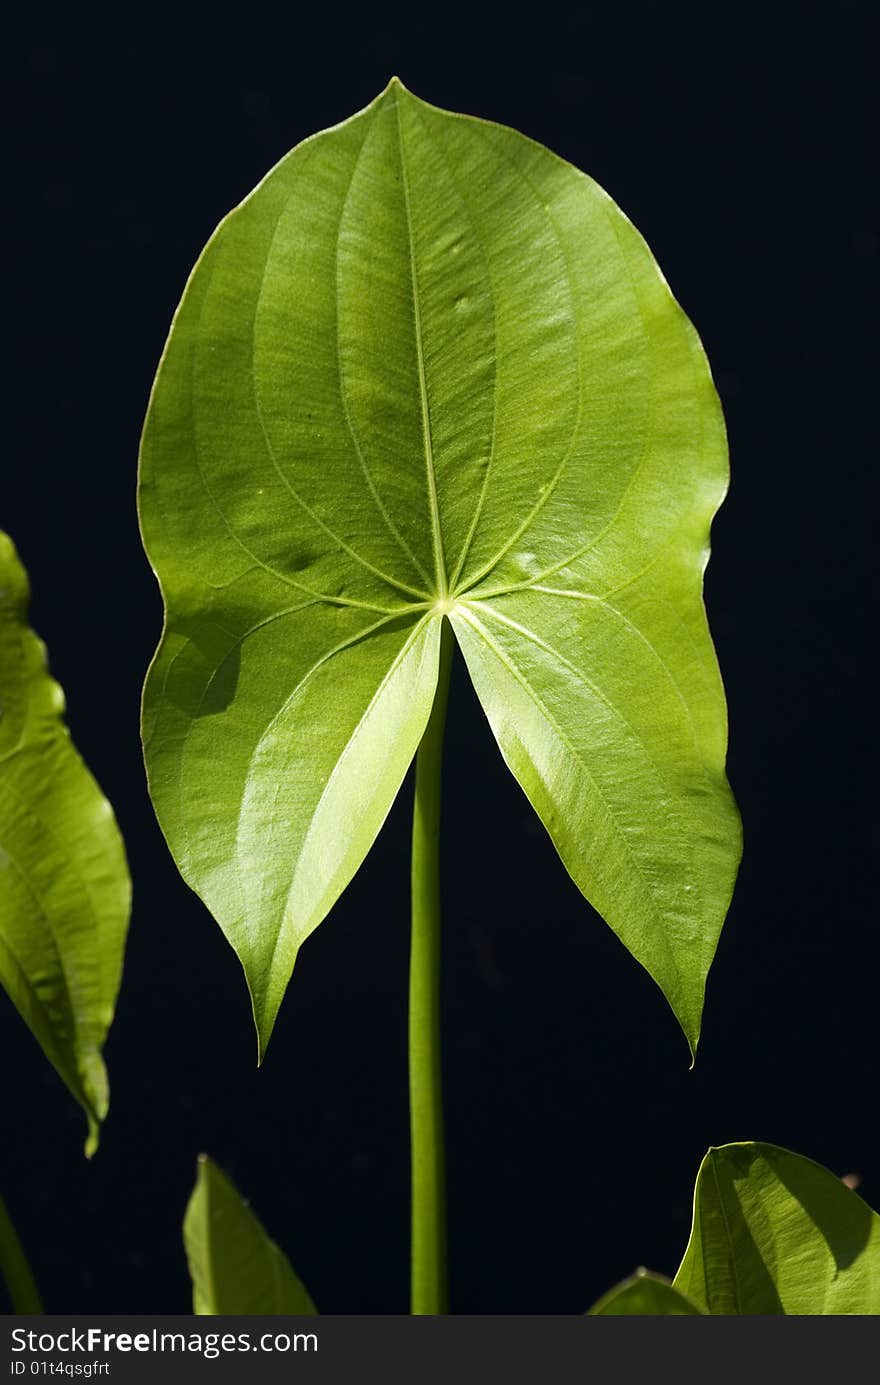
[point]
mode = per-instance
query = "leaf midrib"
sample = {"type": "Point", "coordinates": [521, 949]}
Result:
{"type": "Point", "coordinates": [343, 395]}
{"type": "Point", "coordinates": [317, 664]}
{"type": "Point", "coordinates": [436, 532]}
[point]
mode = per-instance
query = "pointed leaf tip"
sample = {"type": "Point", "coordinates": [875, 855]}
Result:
{"type": "Point", "coordinates": [645, 1295]}
{"type": "Point", "coordinates": [93, 1136]}
{"type": "Point", "coordinates": [236, 1268]}
{"type": "Point", "coordinates": [393, 87]}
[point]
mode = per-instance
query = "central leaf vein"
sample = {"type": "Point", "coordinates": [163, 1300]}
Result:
{"type": "Point", "coordinates": [436, 532]}
{"type": "Point", "coordinates": [343, 395]}
{"type": "Point", "coordinates": [437, 145]}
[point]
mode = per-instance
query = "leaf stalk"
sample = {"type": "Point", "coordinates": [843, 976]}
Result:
{"type": "Point", "coordinates": [429, 1273]}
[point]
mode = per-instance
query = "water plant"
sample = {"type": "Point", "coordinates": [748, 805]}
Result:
{"type": "Point", "coordinates": [427, 389]}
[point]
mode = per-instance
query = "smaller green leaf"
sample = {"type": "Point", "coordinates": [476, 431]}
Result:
{"type": "Point", "coordinates": [777, 1234]}
{"type": "Point", "coordinates": [15, 1269]}
{"type": "Point", "coordinates": [65, 892]}
{"type": "Point", "coordinates": [644, 1295]}
{"type": "Point", "coordinates": [235, 1267]}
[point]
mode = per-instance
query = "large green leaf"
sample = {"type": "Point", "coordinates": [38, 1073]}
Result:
{"type": "Point", "coordinates": [775, 1233]}
{"type": "Point", "coordinates": [65, 892]}
{"type": "Point", "coordinates": [644, 1295]}
{"type": "Point", "coordinates": [429, 369]}
{"type": "Point", "coordinates": [234, 1266]}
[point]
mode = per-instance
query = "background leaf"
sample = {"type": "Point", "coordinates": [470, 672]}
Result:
{"type": "Point", "coordinates": [775, 1233]}
{"type": "Point", "coordinates": [644, 1295]}
{"type": "Point", "coordinates": [426, 369]}
{"type": "Point", "coordinates": [15, 1270]}
{"type": "Point", "coordinates": [235, 1267]}
{"type": "Point", "coordinates": [65, 892]}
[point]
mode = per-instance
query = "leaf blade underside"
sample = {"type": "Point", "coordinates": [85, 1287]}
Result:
{"type": "Point", "coordinates": [428, 369]}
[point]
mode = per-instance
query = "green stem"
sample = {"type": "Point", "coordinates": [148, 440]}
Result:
{"type": "Point", "coordinates": [15, 1268]}
{"type": "Point", "coordinates": [429, 1284]}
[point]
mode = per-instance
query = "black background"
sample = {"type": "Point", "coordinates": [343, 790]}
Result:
{"type": "Point", "coordinates": [741, 146]}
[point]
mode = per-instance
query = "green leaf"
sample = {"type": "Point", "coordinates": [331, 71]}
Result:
{"type": "Point", "coordinates": [644, 1295]}
{"type": "Point", "coordinates": [15, 1269]}
{"type": "Point", "coordinates": [235, 1267]}
{"type": "Point", "coordinates": [65, 892]}
{"type": "Point", "coordinates": [774, 1233]}
{"type": "Point", "coordinates": [429, 369]}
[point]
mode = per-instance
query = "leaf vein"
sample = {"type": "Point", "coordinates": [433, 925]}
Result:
{"type": "Point", "coordinates": [343, 395]}
{"type": "Point", "coordinates": [270, 451]}
{"type": "Point", "coordinates": [493, 562]}
{"type": "Point", "coordinates": [436, 532]}
{"type": "Point", "coordinates": [481, 499]}
{"type": "Point", "coordinates": [236, 538]}
{"type": "Point", "coordinates": [612, 816]}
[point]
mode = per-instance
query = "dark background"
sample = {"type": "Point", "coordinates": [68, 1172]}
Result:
{"type": "Point", "coordinates": [741, 147]}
